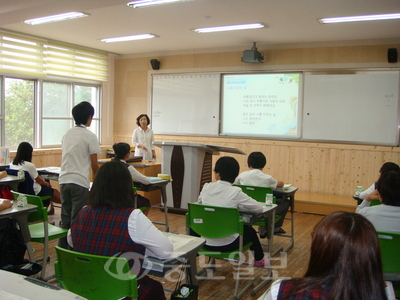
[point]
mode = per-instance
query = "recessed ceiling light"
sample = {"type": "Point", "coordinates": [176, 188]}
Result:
{"type": "Point", "coordinates": [56, 18]}
{"type": "Point", "coordinates": [143, 3]}
{"type": "Point", "coordinates": [229, 27]}
{"type": "Point", "coordinates": [128, 38]}
{"type": "Point", "coordinates": [359, 18]}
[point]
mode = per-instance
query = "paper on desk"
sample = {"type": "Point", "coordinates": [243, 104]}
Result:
{"type": "Point", "coordinates": [8, 296]}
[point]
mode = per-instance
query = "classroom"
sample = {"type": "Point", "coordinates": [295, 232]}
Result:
{"type": "Point", "coordinates": [326, 171]}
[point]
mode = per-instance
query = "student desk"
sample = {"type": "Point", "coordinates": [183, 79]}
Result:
{"type": "Point", "coordinates": [157, 186]}
{"type": "Point", "coordinates": [20, 214]}
{"type": "Point", "coordinates": [12, 181]}
{"type": "Point", "coordinates": [185, 251]}
{"type": "Point", "coordinates": [287, 193]}
{"type": "Point", "coordinates": [147, 168]}
{"type": "Point", "coordinates": [19, 287]}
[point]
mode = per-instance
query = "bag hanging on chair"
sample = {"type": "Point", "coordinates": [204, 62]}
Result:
{"type": "Point", "coordinates": [5, 193]}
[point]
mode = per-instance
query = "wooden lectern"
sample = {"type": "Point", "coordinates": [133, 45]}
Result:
{"type": "Point", "coordinates": [190, 166]}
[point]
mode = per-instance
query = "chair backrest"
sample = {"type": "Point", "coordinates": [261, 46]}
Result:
{"type": "Point", "coordinates": [25, 186]}
{"type": "Point", "coordinates": [213, 221]}
{"type": "Point", "coordinates": [258, 193]}
{"type": "Point", "coordinates": [95, 277]}
{"type": "Point", "coordinates": [390, 245]}
{"type": "Point", "coordinates": [40, 214]}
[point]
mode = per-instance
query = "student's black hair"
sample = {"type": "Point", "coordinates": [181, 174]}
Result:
{"type": "Point", "coordinates": [256, 160]}
{"type": "Point", "coordinates": [142, 115]}
{"type": "Point", "coordinates": [24, 153]}
{"type": "Point", "coordinates": [228, 168]}
{"type": "Point", "coordinates": [121, 149]}
{"type": "Point", "coordinates": [112, 187]}
{"type": "Point", "coordinates": [388, 186]}
{"type": "Point", "coordinates": [389, 166]}
{"type": "Point", "coordinates": [81, 112]}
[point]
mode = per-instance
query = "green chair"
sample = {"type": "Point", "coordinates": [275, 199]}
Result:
{"type": "Point", "coordinates": [218, 222]}
{"type": "Point", "coordinates": [95, 277]}
{"type": "Point", "coordinates": [259, 193]}
{"type": "Point", "coordinates": [390, 246]}
{"type": "Point", "coordinates": [41, 231]}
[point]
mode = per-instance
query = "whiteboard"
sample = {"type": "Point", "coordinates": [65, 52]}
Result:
{"type": "Point", "coordinates": [186, 104]}
{"type": "Point", "coordinates": [361, 108]}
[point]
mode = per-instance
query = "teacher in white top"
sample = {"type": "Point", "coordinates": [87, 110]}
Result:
{"type": "Point", "coordinates": [143, 138]}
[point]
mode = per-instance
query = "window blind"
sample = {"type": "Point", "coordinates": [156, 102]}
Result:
{"type": "Point", "coordinates": [22, 55]}
{"type": "Point", "coordinates": [75, 61]}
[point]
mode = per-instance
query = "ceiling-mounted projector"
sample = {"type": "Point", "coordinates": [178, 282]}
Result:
{"type": "Point", "coordinates": [253, 56]}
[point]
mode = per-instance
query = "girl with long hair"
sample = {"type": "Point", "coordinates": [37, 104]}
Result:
{"type": "Point", "coordinates": [345, 263]}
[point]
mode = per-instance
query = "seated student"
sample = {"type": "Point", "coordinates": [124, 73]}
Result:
{"type": "Point", "coordinates": [22, 161]}
{"type": "Point", "coordinates": [255, 176]}
{"type": "Point", "coordinates": [222, 193]}
{"type": "Point", "coordinates": [122, 152]}
{"type": "Point", "coordinates": [385, 217]}
{"type": "Point", "coordinates": [387, 166]}
{"type": "Point", "coordinates": [345, 263]}
{"type": "Point", "coordinates": [110, 225]}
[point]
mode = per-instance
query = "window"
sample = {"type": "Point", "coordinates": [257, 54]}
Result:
{"type": "Point", "coordinates": [58, 101]}
{"type": "Point", "coordinates": [39, 112]}
{"type": "Point", "coordinates": [19, 104]}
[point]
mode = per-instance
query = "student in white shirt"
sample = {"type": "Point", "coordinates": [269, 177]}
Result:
{"type": "Point", "coordinates": [23, 161]}
{"type": "Point", "coordinates": [387, 166]}
{"type": "Point", "coordinates": [122, 152]}
{"type": "Point", "coordinates": [143, 138]}
{"type": "Point", "coordinates": [256, 177]}
{"type": "Point", "coordinates": [79, 157]}
{"type": "Point", "coordinates": [222, 193]}
{"type": "Point", "coordinates": [385, 217]}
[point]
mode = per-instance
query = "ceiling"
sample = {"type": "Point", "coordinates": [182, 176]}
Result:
{"type": "Point", "coordinates": [288, 21]}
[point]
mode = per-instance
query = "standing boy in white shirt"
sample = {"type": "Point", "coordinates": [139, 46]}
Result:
{"type": "Point", "coordinates": [79, 156]}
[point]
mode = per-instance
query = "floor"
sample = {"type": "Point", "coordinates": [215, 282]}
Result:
{"type": "Point", "coordinates": [221, 283]}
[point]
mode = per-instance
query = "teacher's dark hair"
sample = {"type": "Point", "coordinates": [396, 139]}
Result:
{"type": "Point", "coordinates": [142, 115]}
{"type": "Point", "coordinates": [24, 153]}
{"type": "Point", "coordinates": [388, 186]}
{"type": "Point", "coordinates": [112, 187]}
{"type": "Point", "coordinates": [228, 168]}
{"type": "Point", "coordinates": [345, 254]}
{"type": "Point", "coordinates": [120, 150]}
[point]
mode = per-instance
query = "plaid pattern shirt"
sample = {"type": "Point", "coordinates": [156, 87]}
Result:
{"type": "Point", "coordinates": [104, 231]}
{"type": "Point", "coordinates": [315, 293]}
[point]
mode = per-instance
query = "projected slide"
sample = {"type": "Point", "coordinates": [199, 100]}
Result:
{"type": "Point", "coordinates": [261, 105]}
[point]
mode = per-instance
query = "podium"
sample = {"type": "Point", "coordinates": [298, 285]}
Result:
{"type": "Point", "coordinates": [190, 166]}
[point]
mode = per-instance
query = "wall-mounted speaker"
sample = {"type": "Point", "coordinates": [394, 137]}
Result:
{"type": "Point", "coordinates": [155, 64]}
{"type": "Point", "coordinates": [392, 55]}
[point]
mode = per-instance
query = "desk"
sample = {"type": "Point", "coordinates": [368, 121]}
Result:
{"type": "Point", "coordinates": [19, 287]}
{"type": "Point", "coordinates": [287, 193]}
{"type": "Point", "coordinates": [12, 181]}
{"type": "Point", "coordinates": [20, 214]}
{"type": "Point", "coordinates": [155, 186]}
{"type": "Point", "coordinates": [147, 168]}
{"type": "Point", "coordinates": [250, 218]}
{"type": "Point", "coordinates": [185, 250]}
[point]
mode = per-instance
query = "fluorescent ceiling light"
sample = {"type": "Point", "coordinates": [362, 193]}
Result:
{"type": "Point", "coordinates": [128, 38]}
{"type": "Point", "coordinates": [143, 3]}
{"type": "Point", "coordinates": [229, 27]}
{"type": "Point", "coordinates": [55, 18]}
{"type": "Point", "coordinates": [359, 18]}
